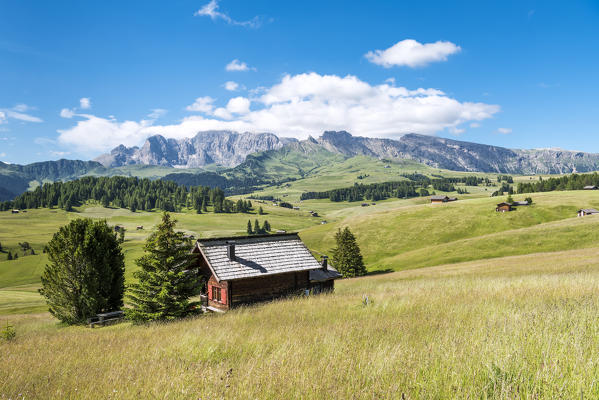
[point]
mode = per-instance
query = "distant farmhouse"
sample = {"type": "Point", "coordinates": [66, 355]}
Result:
{"type": "Point", "coordinates": [442, 199]}
{"type": "Point", "coordinates": [590, 188]}
{"type": "Point", "coordinates": [250, 269]}
{"type": "Point", "coordinates": [587, 211]}
{"type": "Point", "coordinates": [503, 207]}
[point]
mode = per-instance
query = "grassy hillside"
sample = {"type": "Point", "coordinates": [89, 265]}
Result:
{"type": "Point", "coordinates": [393, 234]}
{"type": "Point", "coordinates": [516, 327]}
{"type": "Point", "coordinates": [403, 234]}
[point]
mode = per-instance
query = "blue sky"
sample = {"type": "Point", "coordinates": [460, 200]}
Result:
{"type": "Point", "coordinates": [77, 78]}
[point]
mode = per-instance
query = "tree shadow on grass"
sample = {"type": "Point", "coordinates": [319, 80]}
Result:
{"type": "Point", "coordinates": [380, 271]}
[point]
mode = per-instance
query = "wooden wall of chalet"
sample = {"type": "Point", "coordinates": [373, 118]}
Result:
{"type": "Point", "coordinates": [251, 290]}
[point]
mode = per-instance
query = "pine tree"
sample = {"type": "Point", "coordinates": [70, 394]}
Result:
{"type": "Point", "coordinates": [260, 211]}
{"type": "Point", "coordinates": [257, 229]}
{"type": "Point", "coordinates": [167, 278]}
{"type": "Point", "coordinates": [249, 228]}
{"type": "Point", "coordinates": [347, 257]}
{"type": "Point", "coordinates": [9, 258]}
{"type": "Point", "coordinates": [1, 247]}
{"type": "Point", "coordinates": [266, 227]}
{"type": "Point", "coordinates": [86, 274]}
{"type": "Point", "coordinates": [15, 256]}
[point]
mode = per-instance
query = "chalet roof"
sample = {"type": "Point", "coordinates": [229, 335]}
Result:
{"type": "Point", "coordinates": [257, 256]}
{"type": "Point", "coordinates": [589, 211]}
{"type": "Point", "coordinates": [319, 275]}
{"type": "Point", "coordinates": [520, 203]}
{"type": "Point", "coordinates": [591, 187]}
{"type": "Point", "coordinates": [439, 197]}
{"type": "Point", "coordinates": [503, 204]}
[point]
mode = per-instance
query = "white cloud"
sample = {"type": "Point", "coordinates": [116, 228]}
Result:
{"type": "Point", "coordinates": [85, 103]}
{"type": "Point", "coordinates": [157, 113]}
{"type": "Point", "coordinates": [504, 131]}
{"type": "Point", "coordinates": [298, 106]}
{"type": "Point", "coordinates": [211, 10]}
{"type": "Point", "coordinates": [412, 54]}
{"type": "Point", "coordinates": [67, 113]}
{"type": "Point", "coordinates": [237, 65]}
{"type": "Point", "coordinates": [238, 105]}
{"type": "Point", "coordinates": [2, 154]}
{"type": "Point", "coordinates": [231, 86]}
{"type": "Point", "coordinates": [18, 112]}
{"type": "Point", "coordinates": [475, 125]}
{"type": "Point", "coordinates": [22, 108]}
{"type": "Point", "coordinates": [202, 104]}
{"type": "Point", "coordinates": [99, 134]}
{"type": "Point", "coordinates": [222, 113]}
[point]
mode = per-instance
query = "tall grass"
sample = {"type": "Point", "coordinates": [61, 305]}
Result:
{"type": "Point", "coordinates": [517, 327]}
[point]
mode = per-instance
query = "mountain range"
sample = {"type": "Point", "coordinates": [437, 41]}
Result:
{"type": "Point", "coordinates": [230, 149]}
{"type": "Point", "coordinates": [224, 148]}
{"type": "Point", "coordinates": [241, 161]}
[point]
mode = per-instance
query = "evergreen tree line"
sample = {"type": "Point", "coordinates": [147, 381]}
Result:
{"type": "Point", "coordinates": [126, 192]}
{"type": "Point", "coordinates": [257, 229]}
{"type": "Point", "coordinates": [566, 182]}
{"type": "Point", "coordinates": [416, 186]}
{"type": "Point", "coordinates": [466, 180]}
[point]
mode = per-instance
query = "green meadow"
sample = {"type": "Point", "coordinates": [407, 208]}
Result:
{"type": "Point", "coordinates": [472, 304]}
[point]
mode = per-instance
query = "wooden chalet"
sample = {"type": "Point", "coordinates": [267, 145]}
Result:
{"type": "Point", "coordinates": [250, 269]}
{"type": "Point", "coordinates": [503, 207]}
{"type": "Point", "coordinates": [587, 211]}
{"type": "Point", "coordinates": [442, 199]}
{"type": "Point", "coordinates": [592, 187]}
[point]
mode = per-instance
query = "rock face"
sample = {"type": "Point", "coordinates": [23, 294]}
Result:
{"type": "Point", "coordinates": [224, 148]}
{"type": "Point", "coordinates": [230, 149]}
{"type": "Point", "coordinates": [461, 156]}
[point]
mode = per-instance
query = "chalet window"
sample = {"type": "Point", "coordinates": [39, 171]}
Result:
{"type": "Point", "coordinates": [216, 296]}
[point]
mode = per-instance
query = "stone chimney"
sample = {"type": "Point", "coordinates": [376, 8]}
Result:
{"type": "Point", "coordinates": [324, 262]}
{"type": "Point", "coordinates": [231, 251]}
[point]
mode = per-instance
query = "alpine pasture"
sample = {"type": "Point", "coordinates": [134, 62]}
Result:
{"type": "Point", "coordinates": [480, 304]}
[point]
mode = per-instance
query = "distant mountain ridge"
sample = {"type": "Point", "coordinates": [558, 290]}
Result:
{"type": "Point", "coordinates": [230, 149]}
{"type": "Point", "coordinates": [15, 179]}
{"type": "Point", "coordinates": [224, 148]}
{"type": "Point", "coordinates": [459, 155]}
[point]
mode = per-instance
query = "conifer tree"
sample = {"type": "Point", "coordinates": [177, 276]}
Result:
{"type": "Point", "coordinates": [15, 256]}
{"type": "Point", "coordinates": [260, 211]}
{"type": "Point", "coordinates": [86, 271]}
{"type": "Point", "coordinates": [347, 257]}
{"type": "Point", "coordinates": [257, 229]}
{"type": "Point", "coordinates": [9, 257]}
{"type": "Point", "coordinates": [249, 228]}
{"type": "Point", "coordinates": [266, 227]}
{"type": "Point", "coordinates": [168, 276]}
{"type": "Point", "coordinates": [1, 247]}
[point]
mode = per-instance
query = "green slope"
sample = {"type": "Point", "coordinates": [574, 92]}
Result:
{"type": "Point", "coordinates": [404, 234]}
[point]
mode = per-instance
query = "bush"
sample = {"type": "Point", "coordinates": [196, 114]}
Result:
{"type": "Point", "coordinates": [8, 333]}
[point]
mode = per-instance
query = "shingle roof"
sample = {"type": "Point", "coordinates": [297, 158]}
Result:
{"type": "Point", "coordinates": [257, 256]}
{"type": "Point", "coordinates": [318, 275]}
{"type": "Point", "coordinates": [439, 197]}
{"type": "Point", "coordinates": [589, 211]}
